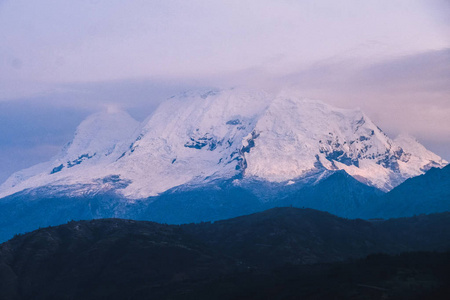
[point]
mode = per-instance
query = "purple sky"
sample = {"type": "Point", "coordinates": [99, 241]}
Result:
{"type": "Point", "coordinates": [62, 60]}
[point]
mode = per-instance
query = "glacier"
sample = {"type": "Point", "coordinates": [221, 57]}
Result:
{"type": "Point", "coordinates": [200, 137]}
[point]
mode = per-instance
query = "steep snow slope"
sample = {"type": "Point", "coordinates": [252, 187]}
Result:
{"type": "Point", "coordinates": [299, 136]}
{"type": "Point", "coordinates": [419, 155]}
{"type": "Point", "coordinates": [198, 137]}
{"type": "Point", "coordinates": [190, 138]}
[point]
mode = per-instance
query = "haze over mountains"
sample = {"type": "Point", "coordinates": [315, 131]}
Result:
{"type": "Point", "coordinates": [124, 174]}
{"type": "Point", "coordinates": [205, 156]}
{"type": "Point", "coordinates": [216, 155]}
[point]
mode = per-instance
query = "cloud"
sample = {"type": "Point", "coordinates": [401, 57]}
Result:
{"type": "Point", "coordinates": [429, 72]}
{"type": "Point", "coordinates": [53, 41]}
{"type": "Point", "coordinates": [408, 94]}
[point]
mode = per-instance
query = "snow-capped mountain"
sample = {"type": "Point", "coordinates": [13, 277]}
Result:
{"type": "Point", "coordinates": [198, 137]}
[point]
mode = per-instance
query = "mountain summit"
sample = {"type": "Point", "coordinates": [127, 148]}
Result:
{"type": "Point", "coordinates": [198, 137]}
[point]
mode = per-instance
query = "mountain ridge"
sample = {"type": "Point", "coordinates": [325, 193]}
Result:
{"type": "Point", "coordinates": [339, 194]}
{"type": "Point", "coordinates": [198, 137]}
{"type": "Point", "coordinates": [251, 256]}
{"type": "Point", "coordinates": [427, 193]}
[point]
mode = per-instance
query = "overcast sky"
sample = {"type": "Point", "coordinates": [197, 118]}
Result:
{"type": "Point", "coordinates": [62, 60]}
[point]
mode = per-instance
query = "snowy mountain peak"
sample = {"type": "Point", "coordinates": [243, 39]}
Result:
{"type": "Point", "coordinates": [309, 135]}
{"type": "Point", "coordinates": [200, 136]}
{"type": "Point", "coordinates": [94, 142]}
{"type": "Point", "coordinates": [100, 133]}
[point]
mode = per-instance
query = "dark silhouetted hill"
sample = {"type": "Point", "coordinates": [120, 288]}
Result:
{"type": "Point", "coordinates": [282, 253]}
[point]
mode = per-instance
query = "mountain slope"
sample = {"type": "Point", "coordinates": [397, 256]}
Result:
{"type": "Point", "coordinates": [95, 141]}
{"type": "Point", "coordinates": [301, 236]}
{"type": "Point", "coordinates": [118, 258]}
{"type": "Point", "coordinates": [428, 193]}
{"type": "Point", "coordinates": [249, 257]}
{"type": "Point", "coordinates": [200, 137]}
{"type": "Point", "coordinates": [339, 193]}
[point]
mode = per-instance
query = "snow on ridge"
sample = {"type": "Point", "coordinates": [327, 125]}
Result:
{"type": "Point", "coordinates": [411, 145]}
{"type": "Point", "coordinates": [199, 136]}
{"type": "Point", "coordinates": [100, 133]}
{"type": "Point", "coordinates": [95, 139]}
{"type": "Point", "coordinates": [417, 155]}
